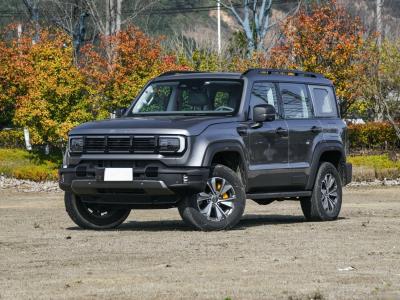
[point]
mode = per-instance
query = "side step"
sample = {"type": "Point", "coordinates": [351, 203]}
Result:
{"type": "Point", "coordinates": [279, 195]}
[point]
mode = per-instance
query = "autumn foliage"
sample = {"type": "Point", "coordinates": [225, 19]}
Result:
{"type": "Point", "coordinates": [45, 88]}
{"type": "Point", "coordinates": [327, 40]}
{"type": "Point", "coordinates": [373, 135]}
{"type": "Point", "coordinates": [41, 88]}
{"type": "Point", "coordinates": [120, 66]}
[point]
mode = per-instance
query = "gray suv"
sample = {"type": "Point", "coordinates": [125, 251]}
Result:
{"type": "Point", "coordinates": [206, 142]}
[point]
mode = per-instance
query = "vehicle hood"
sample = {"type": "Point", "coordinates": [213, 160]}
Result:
{"type": "Point", "coordinates": [181, 125]}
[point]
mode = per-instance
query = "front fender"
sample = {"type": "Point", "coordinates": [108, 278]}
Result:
{"type": "Point", "coordinates": [223, 146]}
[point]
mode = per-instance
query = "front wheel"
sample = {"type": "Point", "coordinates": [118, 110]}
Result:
{"type": "Point", "coordinates": [220, 206]}
{"type": "Point", "coordinates": [93, 216]}
{"type": "Point", "coordinates": [326, 200]}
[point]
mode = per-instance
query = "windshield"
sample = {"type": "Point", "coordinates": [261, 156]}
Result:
{"type": "Point", "coordinates": [189, 97]}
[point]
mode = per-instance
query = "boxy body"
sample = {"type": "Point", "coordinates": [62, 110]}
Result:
{"type": "Point", "coordinates": [272, 128]}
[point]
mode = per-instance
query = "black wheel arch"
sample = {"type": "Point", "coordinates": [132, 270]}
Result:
{"type": "Point", "coordinates": [332, 152]}
{"type": "Point", "coordinates": [225, 149]}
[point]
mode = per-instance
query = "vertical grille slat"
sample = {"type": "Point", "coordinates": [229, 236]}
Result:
{"type": "Point", "coordinates": [120, 144]}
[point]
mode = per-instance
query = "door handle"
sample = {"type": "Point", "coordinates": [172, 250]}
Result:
{"type": "Point", "coordinates": [316, 129]}
{"type": "Point", "coordinates": [242, 131]}
{"type": "Point", "coordinates": [281, 131]}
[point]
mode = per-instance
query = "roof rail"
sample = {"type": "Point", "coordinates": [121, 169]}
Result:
{"type": "Point", "coordinates": [177, 72]}
{"type": "Point", "coordinates": [282, 72]}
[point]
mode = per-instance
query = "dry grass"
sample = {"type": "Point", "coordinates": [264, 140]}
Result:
{"type": "Point", "coordinates": [371, 167]}
{"type": "Point", "coordinates": [22, 164]}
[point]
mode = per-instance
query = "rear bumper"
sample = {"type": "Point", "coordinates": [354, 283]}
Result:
{"type": "Point", "coordinates": [348, 173]}
{"type": "Point", "coordinates": [163, 186]}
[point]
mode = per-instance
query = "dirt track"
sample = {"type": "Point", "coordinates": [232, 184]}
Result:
{"type": "Point", "coordinates": [272, 254]}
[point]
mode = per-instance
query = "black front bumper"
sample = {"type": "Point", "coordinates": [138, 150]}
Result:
{"type": "Point", "coordinates": [149, 185]}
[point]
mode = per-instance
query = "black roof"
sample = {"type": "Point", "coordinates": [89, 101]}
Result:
{"type": "Point", "coordinates": [253, 74]}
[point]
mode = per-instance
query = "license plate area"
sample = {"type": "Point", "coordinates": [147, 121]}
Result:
{"type": "Point", "coordinates": [118, 174]}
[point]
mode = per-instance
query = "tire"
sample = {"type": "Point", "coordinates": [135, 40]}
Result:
{"type": "Point", "coordinates": [326, 200]}
{"type": "Point", "coordinates": [90, 216]}
{"type": "Point", "coordinates": [220, 206]}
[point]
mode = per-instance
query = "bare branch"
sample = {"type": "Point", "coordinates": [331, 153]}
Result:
{"type": "Point", "coordinates": [233, 10]}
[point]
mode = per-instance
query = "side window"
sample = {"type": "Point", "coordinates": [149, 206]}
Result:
{"type": "Point", "coordinates": [324, 101]}
{"type": "Point", "coordinates": [296, 104]}
{"type": "Point", "coordinates": [264, 93]}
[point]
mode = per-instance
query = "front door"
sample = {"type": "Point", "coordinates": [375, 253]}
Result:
{"type": "Point", "coordinates": [268, 144]}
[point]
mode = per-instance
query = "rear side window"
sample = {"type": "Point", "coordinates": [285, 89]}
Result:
{"type": "Point", "coordinates": [296, 103]}
{"type": "Point", "coordinates": [324, 101]}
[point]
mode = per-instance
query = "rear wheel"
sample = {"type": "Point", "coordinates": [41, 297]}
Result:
{"type": "Point", "coordinates": [93, 216]}
{"type": "Point", "coordinates": [326, 200]}
{"type": "Point", "coordinates": [220, 206]}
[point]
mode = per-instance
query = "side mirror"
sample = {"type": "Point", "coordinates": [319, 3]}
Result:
{"type": "Point", "coordinates": [264, 113]}
{"type": "Point", "coordinates": [119, 112]}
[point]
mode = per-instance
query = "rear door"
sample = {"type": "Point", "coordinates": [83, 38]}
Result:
{"type": "Point", "coordinates": [305, 131]}
{"type": "Point", "coordinates": [268, 144]}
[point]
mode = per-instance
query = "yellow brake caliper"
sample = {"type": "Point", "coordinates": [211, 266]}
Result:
{"type": "Point", "coordinates": [224, 196]}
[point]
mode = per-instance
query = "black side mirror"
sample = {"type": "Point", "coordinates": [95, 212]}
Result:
{"type": "Point", "coordinates": [119, 112]}
{"type": "Point", "coordinates": [264, 113]}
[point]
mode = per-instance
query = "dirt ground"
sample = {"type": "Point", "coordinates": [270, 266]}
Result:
{"type": "Point", "coordinates": [272, 254]}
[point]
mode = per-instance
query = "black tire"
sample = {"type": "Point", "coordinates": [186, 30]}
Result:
{"type": "Point", "coordinates": [90, 216]}
{"type": "Point", "coordinates": [319, 207]}
{"type": "Point", "coordinates": [190, 210]}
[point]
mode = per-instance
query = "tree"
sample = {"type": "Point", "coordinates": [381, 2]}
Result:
{"type": "Point", "coordinates": [328, 41]}
{"type": "Point", "coordinates": [71, 16]}
{"type": "Point", "coordinates": [9, 87]}
{"type": "Point", "coordinates": [255, 21]}
{"type": "Point", "coordinates": [109, 22]}
{"type": "Point", "coordinates": [382, 88]}
{"type": "Point", "coordinates": [33, 8]}
{"type": "Point", "coordinates": [138, 58]}
{"type": "Point", "coordinates": [53, 96]}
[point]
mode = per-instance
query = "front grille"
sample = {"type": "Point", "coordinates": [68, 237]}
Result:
{"type": "Point", "coordinates": [144, 144]}
{"type": "Point", "coordinates": [95, 144]}
{"type": "Point", "coordinates": [120, 144]}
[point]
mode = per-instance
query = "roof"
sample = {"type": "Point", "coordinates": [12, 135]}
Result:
{"type": "Point", "coordinates": [252, 74]}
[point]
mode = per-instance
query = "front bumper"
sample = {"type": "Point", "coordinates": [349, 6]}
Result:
{"type": "Point", "coordinates": [149, 185]}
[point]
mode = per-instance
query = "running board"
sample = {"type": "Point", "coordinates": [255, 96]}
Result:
{"type": "Point", "coordinates": [279, 195]}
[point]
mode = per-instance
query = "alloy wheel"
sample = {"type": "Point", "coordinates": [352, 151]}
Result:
{"type": "Point", "coordinates": [216, 203]}
{"type": "Point", "coordinates": [329, 195]}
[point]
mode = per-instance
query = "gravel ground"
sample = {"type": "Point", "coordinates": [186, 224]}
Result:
{"type": "Point", "coordinates": [272, 254]}
{"type": "Point", "coordinates": [28, 186]}
{"type": "Point", "coordinates": [51, 186]}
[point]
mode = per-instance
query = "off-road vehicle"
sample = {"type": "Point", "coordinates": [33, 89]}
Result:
{"type": "Point", "coordinates": [206, 142]}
